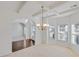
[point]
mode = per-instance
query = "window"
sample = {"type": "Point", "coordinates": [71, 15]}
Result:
{"type": "Point", "coordinates": [63, 32]}
{"type": "Point", "coordinates": [75, 34]}
{"type": "Point", "coordinates": [51, 32]}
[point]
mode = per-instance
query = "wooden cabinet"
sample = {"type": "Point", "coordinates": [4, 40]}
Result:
{"type": "Point", "coordinates": [17, 45]}
{"type": "Point", "coordinates": [28, 42]}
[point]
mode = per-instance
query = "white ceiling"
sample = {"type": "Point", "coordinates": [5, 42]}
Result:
{"type": "Point", "coordinates": [34, 8]}
{"type": "Point", "coordinates": [10, 5]}
{"type": "Point", "coordinates": [26, 9]}
{"type": "Point", "coordinates": [15, 5]}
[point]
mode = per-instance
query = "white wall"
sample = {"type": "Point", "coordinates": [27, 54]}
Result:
{"type": "Point", "coordinates": [17, 32]}
{"type": "Point", "coordinates": [58, 21]}
{"type": "Point", "coordinates": [75, 20]}
{"type": "Point", "coordinates": [6, 19]}
{"type": "Point", "coordinates": [71, 19]}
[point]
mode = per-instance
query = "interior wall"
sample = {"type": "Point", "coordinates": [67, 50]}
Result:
{"type": "Point", "coordinates": [70, 19]}
{"type": "Point", "coordinates": [6, 19]}
{"type": "Point", "coordinates": [38, 37]}
{"type": "Point", "coordinates": [17, 32]}
{"type": "Point", "coordinates": [55, 21]}
{"type": "Point", "coordinates": [58, 21]}
{"type": "Point", "coordinates": [20, 32]}
{"type": "Point", "coordinates": [75, 20]}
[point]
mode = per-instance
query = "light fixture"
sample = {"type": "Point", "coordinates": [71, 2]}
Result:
{"type": "Point", "coordinates": [42, 26]}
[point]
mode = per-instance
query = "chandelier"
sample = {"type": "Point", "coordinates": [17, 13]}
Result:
{"type": "Point", "coordinates": [42, 26]}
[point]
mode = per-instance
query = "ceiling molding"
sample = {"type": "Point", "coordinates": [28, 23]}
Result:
{"type": "Point", "coordinates": [21, 6]}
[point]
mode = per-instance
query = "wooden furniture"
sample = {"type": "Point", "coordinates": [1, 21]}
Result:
{"type": "Point", "coordinates": [17, 45]}
{"type": "Point", "coordinates": [28, 42]}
